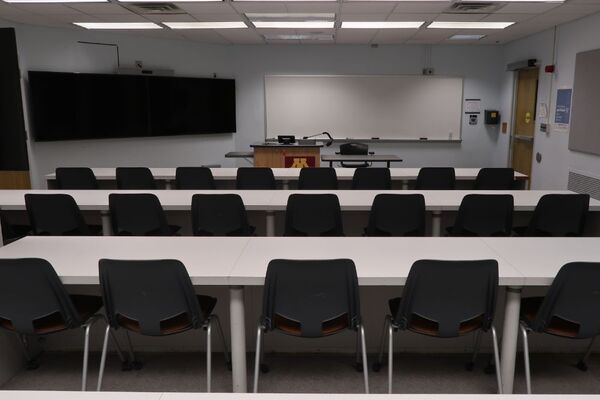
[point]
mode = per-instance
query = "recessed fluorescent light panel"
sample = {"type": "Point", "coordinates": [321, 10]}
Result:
{"type": "Point", "coordinates": [381, 24]}
{"type": "Point", "coordinates": [54, 1]}
{"type": "Point", "coordinates": [317, 37]}
{"type": "Point", "coordinates": [469, 25]}
{"type": "Point", "coordinates": [513, 1]}
{"type": "Point", "coordinates": [207, 25]}
{"type": "Point", "coordinates": [117, 25]}
{"type": "Point", "coordinates": [467, 37]}
{"type": "Point", "coordinates": [294, 24]}
{"type": "Point", "coordinates": [290, 16]}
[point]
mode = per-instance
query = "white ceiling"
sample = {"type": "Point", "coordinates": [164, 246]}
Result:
{"type": "Point", "coordinates": [530, 18]}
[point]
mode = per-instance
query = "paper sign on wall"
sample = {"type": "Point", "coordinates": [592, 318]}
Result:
{"type": "Point", "coordinates": [563, 107]}
{"type": "Point", "coordinates": [472, 106]}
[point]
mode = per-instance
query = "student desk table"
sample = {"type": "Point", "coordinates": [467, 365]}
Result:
{"type": "Point", "coordinates": [271, 201]}
{"type": "Point", "coordinates": [56, 395]}
{"type": "Point", "coordinates": [284, 175]}
{"type": "Point", "coordinates": [240, 262]}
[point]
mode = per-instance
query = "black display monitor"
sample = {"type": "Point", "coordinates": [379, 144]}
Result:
{"type": "Point", "coordinates": [67, 106]}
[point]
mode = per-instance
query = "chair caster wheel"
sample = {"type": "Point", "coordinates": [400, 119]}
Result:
{"type": "Point", "coordinates": [358, 367]}
{"type": "Point", "coordinates": [229, 367]}
{"type": "Point", "coordinates": [376, 367]}
{"type": "Point", "coordinates": [264, 368]}
{"type": "Point", "coordinates": [582, 366]}
{"type": "Point", "coordinates": [126, 366]}
{"type": "Point", "coordinates": [31, 365]}
{"type": "Point", "coordinates": [469, 366]}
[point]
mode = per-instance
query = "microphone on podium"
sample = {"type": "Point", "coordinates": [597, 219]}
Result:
{"type": "Point", "coordinates": [329, 142]}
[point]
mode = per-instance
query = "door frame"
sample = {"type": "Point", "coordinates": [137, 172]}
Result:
{"type": "Point", "coordinates": [513, 118]}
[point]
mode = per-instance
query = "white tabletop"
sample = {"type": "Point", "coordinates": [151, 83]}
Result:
{"type": "Point", "coordinates": [274, 200]}
{"type": "Point", "coordinates": [172, 200]}
{"type": "Point", "coordinates": [209, 260]}
{"type": "Point", "coordinates": [379, 261]}
{"type": "Point", "coordinates": [539, 259]}
{"type": "Point", "coordinates": [288, 173]}
{"type": "Point", "coordinates": [56, 395]}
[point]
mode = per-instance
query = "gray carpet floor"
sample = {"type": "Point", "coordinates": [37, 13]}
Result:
{"type": "Point", "coordinates": [413, 373]}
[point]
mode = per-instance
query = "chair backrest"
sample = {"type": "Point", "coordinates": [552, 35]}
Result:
{"type": "Point", "coordinates": [354, 148]}
{"type": "Point", "coordinates": [78, 178]}
{"type": "Point", "coordinates": [495, 179]}
{"type": "Point", "coordinates": [135, 178]}
{"type": "Point", "coordinates": [194, 178]}
{"type": "Point", "coordinates": [254, 178]}
{"type": "Point", "coordinates": [219, 215]}
{"type": "Point", "coordinates": [317, 179]}
{"type": "Point", "coordinates": [574, 298]}
{"type": "Point", "coordinates": [137, 214]}
{"type": "Point", "coordinates": [149, 292]}
{"type": "Point", "coordinates": [55, 215]}
{"type": "Point", "coordinates": [436, 178]}
{"type": "Point", "coordinates": [484, 215]}
{"type": "Point", "coordinates": [448, 293]}
{"type": "Point", "coordinates": [313, 215]}
{"type": "Point", "coordinates": [559, 215]}
{"type": "Point", "coordinates": [397, 215]}
{"type": "Point", "coordinates": [31, 292]}
{"type": "Point", "coordinates": [372, 179]}
{"type": "Point", "coordinates": [315, 294]}
{"type": "Point", "coordinates": [8, 232]}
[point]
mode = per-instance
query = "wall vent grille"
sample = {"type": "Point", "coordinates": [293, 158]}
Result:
{"type": "Point", "coordinates": [580, 182]}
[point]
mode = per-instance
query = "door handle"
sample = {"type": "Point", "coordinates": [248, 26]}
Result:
{"type": "Point", "coordinates": [524, 138]}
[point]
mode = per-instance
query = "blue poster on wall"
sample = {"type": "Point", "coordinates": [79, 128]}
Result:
{"type": "Point", "coordinates": [563, 106]}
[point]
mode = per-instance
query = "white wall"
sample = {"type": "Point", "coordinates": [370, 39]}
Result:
{"type": "Point", "coordinates": [571, 38]}
{"type": "Point", "coordinates": [57, 49]}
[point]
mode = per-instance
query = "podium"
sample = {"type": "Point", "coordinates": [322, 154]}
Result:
{"type": "Point", "coordinates": [276, 155]}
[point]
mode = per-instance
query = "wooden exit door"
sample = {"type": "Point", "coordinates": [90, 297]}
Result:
{"type": "Point", "coordinates": [524, 122]}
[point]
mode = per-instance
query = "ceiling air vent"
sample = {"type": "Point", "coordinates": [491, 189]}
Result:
{"type": "Point", "coordinates": [473, 8]}
{"type": "Point", "coordinates": [155, 8]}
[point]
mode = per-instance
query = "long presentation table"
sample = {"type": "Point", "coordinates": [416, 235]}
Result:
{"type": "Point", "coordinates": [387, 159]}
{"type": "Point", "coordinates": [58, 395]}
{"type": "Point", "coordinates": [272, 201]}
{"type": "Point", "coordinates": [240, 262]}
{"type": "Point", "coordinates": [284, 175]}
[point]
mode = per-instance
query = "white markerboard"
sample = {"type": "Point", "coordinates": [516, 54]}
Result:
{"type": "Point", "coordinates": [388, 107]}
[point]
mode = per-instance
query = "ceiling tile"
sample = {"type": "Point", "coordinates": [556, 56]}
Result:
{"type": "Point", "coordinates": [434, 34]}
{"type": "Point", "coordinates": [507, 17]}
{"type": "Point", "coordinates": [217, 17]}
{"type": "Point", "coordinates": [365, 7]}
{"type": "Point", "coordinates": [578, 9]}
{"type": "Point", "coordinates": [393, 36]}
{"type": "Point", "coordinates": [363, 17]}
{"type": "Point", "coordinates": [207, 7]}
{"type": "Point", "coordinates": [259, 7]}
{"type": "Point", "coordinates": [527, 8]}
{"type": "Point", "coordinates": [203, 36]}
{"type": "Point", "coordinates": [312, 7]}
{"type": "Point", "coordinates": [131, 17]}
{"type": "Point", "coordinates": [46, 9]}
{"type": "Point", "coordinates": [98, 8]}
{"type": "Point", "coordinates": [170, 18]}
{"type": "Point", "coordinates": [460, 17]}
{"type": "Point", "coordinates": [421, 6]}
{"type": "Point", "coordinates": [412, 17]}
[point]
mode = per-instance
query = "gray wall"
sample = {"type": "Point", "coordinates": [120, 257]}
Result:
{"type": "Point", "coordinates": [56, 49]}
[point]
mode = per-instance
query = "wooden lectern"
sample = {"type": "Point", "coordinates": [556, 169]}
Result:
{"type": "Point", "coordinates": [275, 155]}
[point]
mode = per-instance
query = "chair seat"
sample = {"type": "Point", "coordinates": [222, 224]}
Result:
{"type": "Point", "coordinates": [177, 324]}
{"type": "Point", "coordinates": [557, 326]}
{"type": "Point", "coordinates": [428, 327]}
{"type": "Point", "coordinates": [86, 306]}
{"type": "Point", "coordinates": [520, 230]}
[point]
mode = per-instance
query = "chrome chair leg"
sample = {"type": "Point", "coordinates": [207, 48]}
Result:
{"type": "Point", "coordinates": [526, 357]}
{"type": "Point", "coordinates": [225, 347]}
{"type": "Point", "coordinates": [208, 328]}
{"type": "Point", "coordinates": [364, 358]}
{"type": "Point", "coordinates": [582, 364]}
{"type": "Point", "coordinates": [497, 359]}
{"type": "Point", "coordinates": [390, 355]}
{"type": "Point", "coordinates": [471, 364]}
{"type": "Point", "coordinates": [86, 349]}
{"type": "Point", "coordinates": [257, 353]}
{"type": "Point", "coordinates": [103, 358]}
